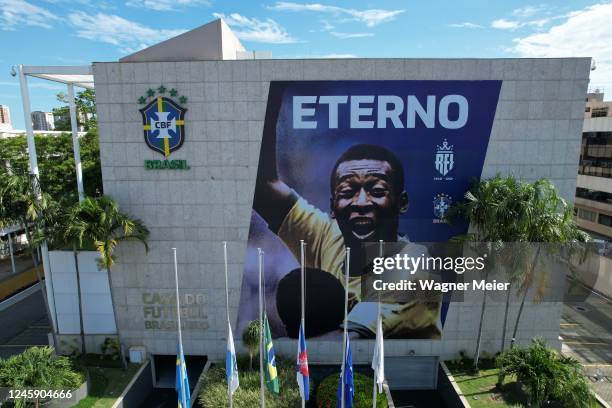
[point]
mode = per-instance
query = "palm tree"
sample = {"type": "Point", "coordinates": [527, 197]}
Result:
{"type": "Point", "coordinates": [250, 339]}
{"type": "Point", "coordinates": [19, 204]}
{"type": "Point", "coordinates": [552, 221]}
{"type": "Point", "coordinates": [39, 368]}
{"type": "Point", "coordinates": [99, 220]}
{"type": "Point", "coordinates": [546, 375]}
{"type": "Point", "coordinates": [504, 210]}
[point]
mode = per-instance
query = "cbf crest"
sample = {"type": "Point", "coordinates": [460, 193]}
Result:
{"type": "Point", "coordinates": [441, 205]}
{"type": "Point", "coordinates": [445, 158]}
{"type": "Point", "coordinates": [163, 124]}
{"type": "Point", "coordinates": [163, 120]}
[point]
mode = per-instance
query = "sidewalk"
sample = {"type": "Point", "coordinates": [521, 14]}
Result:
{"type": "Point", "coordinates": [586, 332]}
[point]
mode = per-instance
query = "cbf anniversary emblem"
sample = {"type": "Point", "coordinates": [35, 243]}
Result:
{"type": "Point", "coordinates": [163, 124]}
{"type": "Point", "coordinates": [444, 158]}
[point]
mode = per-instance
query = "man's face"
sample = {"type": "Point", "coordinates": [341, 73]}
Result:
{"type": "Point", "coordinates": [365, 202]}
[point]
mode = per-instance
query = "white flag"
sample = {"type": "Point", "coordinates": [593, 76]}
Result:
{"type": "Point", "coordinates": [378, 360]}
{"type": "Point", "coordinates": [231, 366]}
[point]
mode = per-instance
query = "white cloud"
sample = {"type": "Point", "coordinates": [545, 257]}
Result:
{"type": "Point", "coordinates": [504, 24]}
{"type": "Point", "coordinates": [527, 11]}
{"type": "Point", "coordinates": [53, 86]}
{"type": "Point", "coordinates": [465, 25]}
{"type": "Point", "coordinates": [252, 29]}
{"type": "Point", "coordinates": [370, 17]}
{"type": "Point", "coordinates": [112, 29]}
{"type": "Point", "coordinates": [15, 13]}
{"type": "Point", "coordinates": [336, 56]}
{"type": "Point", "coordinates": [166, 5]}
{"type": "Point", "coordinates": [583, 33]}
{"type": "Point", "coordinates": [345, 36]}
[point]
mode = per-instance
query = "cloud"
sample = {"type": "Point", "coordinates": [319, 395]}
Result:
{"type": "Point", "coordinates": [166, 5]}
{"type": "Point", "coordinates": [345, 36]}
{"type": "Point", "coordinates": [53, 86]}
{"type": "Point", "coordinates": [370, 17]}
{"type": "Point", "coordinates": [583, 33]}
{"type": "Point", "coordinates": [504, 24]}
{"type": "Point", "coordinates": [465, 25]}
{"type": "Point", "coordinates": [527, 11]}
{"type": "Point", "coordinates": [15, 13]}
{"type": "Point", "coordinates": [252, 29]}
{"type": "Point", "coordinates": [130, 36]}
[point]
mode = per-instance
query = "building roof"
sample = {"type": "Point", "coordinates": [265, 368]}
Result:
{"type": "Point", "coordinates": [212, 41]}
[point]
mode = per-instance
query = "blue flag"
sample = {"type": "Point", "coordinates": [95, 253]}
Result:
{"type": "Point", "coordinates": [347, 381]}
{"type": "Point", "coordinates": [182, 382]}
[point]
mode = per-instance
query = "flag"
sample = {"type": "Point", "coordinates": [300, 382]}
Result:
{"type": "Point", "coordinates": [303, 376]}
{"type": "Point", "coordinates": [378, 360]}
{"type": "Point", "coordinates": [231, 366]}
{"type": "Point", "coordinates": [182, 382]}
{"type": "Point", "coordinates": [270, 359]}
{"type": "Point", "coordinates": [347, 381]}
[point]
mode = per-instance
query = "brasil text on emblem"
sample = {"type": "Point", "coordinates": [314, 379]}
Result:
{"type": "Point", "coordinates": [163, 123]}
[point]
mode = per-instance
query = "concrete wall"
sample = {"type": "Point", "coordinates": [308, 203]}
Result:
{"type": "Point", "coordinates": [96, 302]}
{"type": "Point", "coordinates": [536, 133]}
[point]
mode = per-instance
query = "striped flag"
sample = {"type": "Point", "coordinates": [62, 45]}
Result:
{"type": "Point", "coordinates": [182, 382]}
{"type": "Point", "coordinates": [231, 366]}
{"type": "Point", "coordinates": [270, 359]}
{"type": "Point", "coordinates": [303, 376]}
{"type": "Point", "coordinates": [347, 381]}
{"type": "Point", "coordinates": [378, 360]}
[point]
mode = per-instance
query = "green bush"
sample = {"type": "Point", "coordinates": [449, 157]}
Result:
{"type": "Point", "coordinates": [327, 392]}
{"type": "Point", "coordinates": [39, 367]}
{"type": "Point", "coordinates": [214, 390]}
{"type": "Point", "coordinates": [546, 375]}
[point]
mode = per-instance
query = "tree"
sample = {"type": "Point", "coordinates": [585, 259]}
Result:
{"type": "Point", "coordinates": [39, 368]}
{"type": "Point", "coordinates": [250, 339]}
{"type": "Point", "coordinates": [85, 102]}
{"type": "Point", "coordinates": [546, 375]}
{"type": "Point", "coordinates": [20, 204]}
{"type": "Point", "coordinates": [98, 220]}
{"type": "Point", "coordinates": [503, 211]}
{"type": "Point", "coordinates": [56, 164]}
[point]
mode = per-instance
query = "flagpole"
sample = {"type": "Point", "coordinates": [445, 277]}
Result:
{"type": "Point", "coordinates": [261, 345]}
{"type": "Point", "coordinates": [229, 394]}
{"type": "Point", "coordinates": [346, 284]}
{"type": "Point", "coordinates": [378, 316]}
{"type": "Point", "coordinates": [302, 321]}
{"type": "Point", "coordinates": [178, 318]}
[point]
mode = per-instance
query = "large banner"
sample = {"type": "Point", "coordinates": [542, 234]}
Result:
{"type": "Point", "coordinates": [346, 163]}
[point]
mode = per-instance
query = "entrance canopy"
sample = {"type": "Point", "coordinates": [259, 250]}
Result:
{"type": "Point", "coordinates": [81, 76]}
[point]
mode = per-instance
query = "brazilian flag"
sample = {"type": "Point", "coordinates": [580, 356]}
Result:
{"type": "Point", "coordinates": [270, 360]}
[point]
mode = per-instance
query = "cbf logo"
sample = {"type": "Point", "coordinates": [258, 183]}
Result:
{"type": "Point", "coordinates": [163, 123]}
{"type": "Point", "coordinates": [445, 159]}
{"type": "Point", "coordinates": [441, 205]}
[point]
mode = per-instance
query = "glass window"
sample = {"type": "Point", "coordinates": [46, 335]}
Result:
{"type": "Point", "coordinates": [605, 220]}
{"type": "Point", "coordinates": [587, 215]}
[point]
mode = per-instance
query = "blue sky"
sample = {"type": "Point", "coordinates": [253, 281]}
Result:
{"type": "Point", "coordinates": [69, 32]}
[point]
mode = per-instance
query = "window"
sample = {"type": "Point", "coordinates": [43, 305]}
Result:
{"type": "Point", "coordinates": [605, 220]}
{"type": "Point", "coordinates": [587, 215]}
{"type": "Point", "coordinates": [587, 109]}
{"type": "Point", "coordinates": [599, 112]}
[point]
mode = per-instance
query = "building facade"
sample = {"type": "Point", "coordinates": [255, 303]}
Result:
{"type": "Point", "coordinates": [43, 120]}
{"type": "Point", "coordinates": [536, 132]}
{"type": "Point", "coordinates": [593, 204]}
{"type": "Point", "coordinates": [5, 118]}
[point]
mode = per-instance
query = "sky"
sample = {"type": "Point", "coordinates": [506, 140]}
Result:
{"type": "Point", "coordinates": [77, 32]}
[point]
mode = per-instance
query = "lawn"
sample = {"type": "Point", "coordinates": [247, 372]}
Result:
{"type": "Point", "coordinates": [108, 380]}
{"type": "Point", "coordinates": [480, 389]}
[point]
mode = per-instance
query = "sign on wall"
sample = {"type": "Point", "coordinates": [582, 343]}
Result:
{"type": "Point", "coordinates": [163, 123]}
{"type": "Point", "coordinates": [344, 163]}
